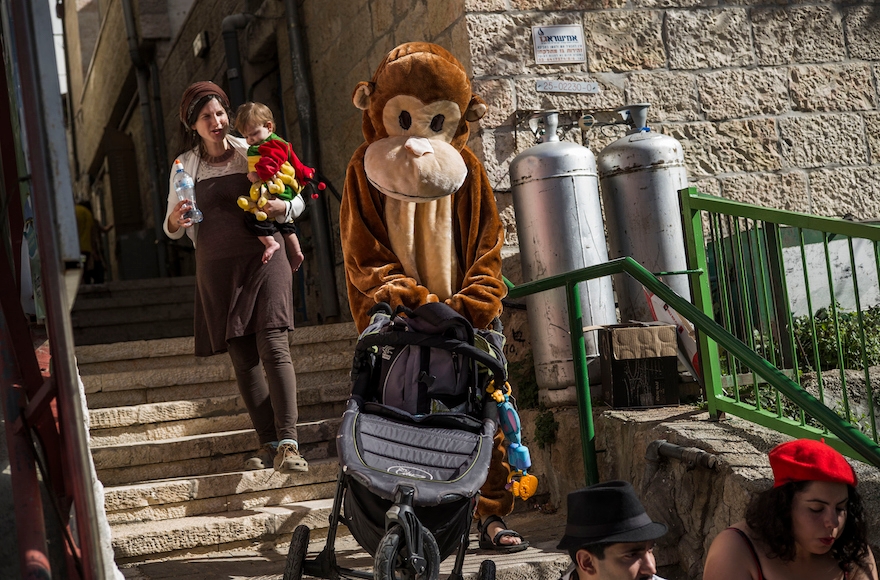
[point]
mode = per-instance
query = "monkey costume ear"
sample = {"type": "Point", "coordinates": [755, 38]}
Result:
{"type": "Point", "coordinates": [361, 96]}
{"type": "Point", "coordinates": [475, 109]}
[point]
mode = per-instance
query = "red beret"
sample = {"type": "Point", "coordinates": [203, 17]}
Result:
{"type": "Point", "coordinates": [808, 460]}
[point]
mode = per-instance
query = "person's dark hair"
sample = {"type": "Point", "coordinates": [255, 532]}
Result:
{"type": "Point", "coordinates": [769, 516]}
{"type": "Point", "coordinates": [597, 550]}
{"type": "Point", "coordinates": [190, 138]}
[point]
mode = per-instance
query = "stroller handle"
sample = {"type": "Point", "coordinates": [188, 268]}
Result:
{"type": "Point", "coordinates": [495, 366]}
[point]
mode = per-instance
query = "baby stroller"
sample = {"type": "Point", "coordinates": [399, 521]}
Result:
{"type": "Point", "coordinates": [414, 446]}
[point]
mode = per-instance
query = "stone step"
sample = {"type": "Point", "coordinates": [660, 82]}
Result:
{"type": "Point", "coordinates": [167, 420]}
{"type": "Point", "coordinates": [134, 292]}
{"type": "Point", "coordinates": [201, 454]}
{"type": "Point", "coordinates": [155, 329]}
{"type": "Point", "coordinates": [136, 350]}
{"type": "Point", "coordinates": [163, 412]}
{"type": "Point", "coordinates": [111, 315]}
{"type": "Point", "coordinates": [312, 389]}
{"type": "Point", "coordinates": [162, 394]}
{"type": "Point", "coordinates": [143, 540]}
{"type": "Point", "coordinates": [154, 432]}
{"type": "Point", "coordinates": [117, 287]}
{"type": "Point", "coordinates": [218, 493]}
{"type": "Point", "coordinates": [310, 354]}
{"type": "Point", "coordinates": [205, 370]}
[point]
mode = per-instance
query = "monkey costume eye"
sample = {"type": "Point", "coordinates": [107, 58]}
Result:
{"type": "Point", "coordinates": [405, 120]}
{"type": "Point", "coordinates": [437, 123]}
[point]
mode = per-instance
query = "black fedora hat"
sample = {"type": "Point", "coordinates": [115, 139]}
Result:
{"type": "Point", "coordinates": [607, 513]}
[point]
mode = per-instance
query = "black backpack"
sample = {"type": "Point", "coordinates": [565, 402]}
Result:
{"type": "Point", "coordinates": [426, 360]}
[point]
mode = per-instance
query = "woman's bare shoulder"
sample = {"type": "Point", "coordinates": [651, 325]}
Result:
{"type": "Point", "coordinates": [867, 570]}
{"type": "Point", "coordinates": [729, 557]}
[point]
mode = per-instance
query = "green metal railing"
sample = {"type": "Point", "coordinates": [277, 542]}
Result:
{"type": "Point", "coordinates": [840, 433]}
{"type": "Point", "coordinates": [793, 288]}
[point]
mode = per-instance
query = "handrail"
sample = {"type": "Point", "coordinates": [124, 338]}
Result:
{"type": "Point", "coordinates": [702, 201]}
{"type": "Point", "coordinates": [846, 432]}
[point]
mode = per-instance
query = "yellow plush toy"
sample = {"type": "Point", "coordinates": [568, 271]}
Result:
{"type": "Point", "coordinates": [260, 190]}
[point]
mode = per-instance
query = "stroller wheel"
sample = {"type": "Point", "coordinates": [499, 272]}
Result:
{"type": "Point", "coordinates": [487, 570]}
{"type": "Point", "coordinates": [392, 554]}
{"type": "Point", "coordinates": [296, 554]}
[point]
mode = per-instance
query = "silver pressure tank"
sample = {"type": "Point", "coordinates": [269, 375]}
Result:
{"type": "Point", "coordinates": [641, 175]}
{"type": "Point", "coordinates": [559, 224]}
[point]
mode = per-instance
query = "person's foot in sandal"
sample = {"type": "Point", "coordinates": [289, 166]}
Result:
{"type": "Point", "coordinates": [496, 536]}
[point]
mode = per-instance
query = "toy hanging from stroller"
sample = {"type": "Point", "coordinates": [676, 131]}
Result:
{"type": "Point", "coordinates": [414, 445]}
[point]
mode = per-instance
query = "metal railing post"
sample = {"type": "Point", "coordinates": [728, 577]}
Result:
{"type": "Point", "coordinates": [585, 405]}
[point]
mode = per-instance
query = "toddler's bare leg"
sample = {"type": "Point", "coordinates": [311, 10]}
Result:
{"type": "Point", "coordinates": [294, 252]}
{"type": "Point", "coordinates": [271, 247]}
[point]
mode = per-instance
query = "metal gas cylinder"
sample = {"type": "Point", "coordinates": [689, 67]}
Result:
{"type": "Point", "coordinates": [641, 175]}
{"type": "Point", "coordinates": [559, 223]}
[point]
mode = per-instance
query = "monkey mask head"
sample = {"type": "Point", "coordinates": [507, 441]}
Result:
{"type": "Point", "coordinates": [416, 113]}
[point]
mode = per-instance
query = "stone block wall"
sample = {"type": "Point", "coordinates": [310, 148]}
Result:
{"type": "Point", "coordinates": [774, 104]}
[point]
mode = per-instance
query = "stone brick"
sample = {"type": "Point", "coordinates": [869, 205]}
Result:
{"type": "Point", "coordinates": [674, 3]}
{"type": "Point", "coordinates": [708, 185]}
{"type": "Point", "coordinates": [833, 87]}
{"type": "Point", "coordinates": [381, 17]}
{"type": "Point", "coordinates": [507, 214]}
{"type": "Point", "coordinates": [496, 149]}
{"type": "Point", "coordinates": [821, 140]}
{"type": "Point", "coordinates": [709, 38]}
{"type": "Point", "coordinates": [872, 130]}
{"type": "Point", "coordinates": [529, 99]}
{"type": "Point", "coordinates": [500, 98]}
{"type": "Point", "coordinates": [863, 32]}
{"type": "Point", "coordinates": [485, 5]}
{"type": "Point", "coordinates": [855, 190]}
{"type": "Point", "coordinates": [566, 4]}
{"type": "Point", "coordinates": [414, 24]}
{"type": "Point", "coordinates": [727, 147]}
{"type": "Point", "coordinates": [737, 93]}
{"type": "Point", "coordinates": [597, 138]}
{"type": "Point", "coordinates": [493, 44]}
{"type": "Point", "coordinates": [787, 190]}
{"type": "Point", "coordinates": [624, 41]}
{"type": "Point", "coordinates": [804, 34]}
{"type": "Point", "coordinates": [672, 95]}
{"type": "Point", "coordinates": [442, 14]}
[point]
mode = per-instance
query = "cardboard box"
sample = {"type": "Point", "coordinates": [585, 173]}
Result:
{"type": "Point", "coordinates": [639, 365]}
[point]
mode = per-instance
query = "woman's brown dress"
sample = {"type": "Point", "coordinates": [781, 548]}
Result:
{"type": "Point", "coordinates": [236, 294]}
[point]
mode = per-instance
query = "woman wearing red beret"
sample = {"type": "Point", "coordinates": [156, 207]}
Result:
{"type": "Point", "coordinates": [809, 526]}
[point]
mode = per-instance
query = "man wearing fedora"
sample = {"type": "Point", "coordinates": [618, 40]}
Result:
{"type": "Point", "coordinates": [609, 535]}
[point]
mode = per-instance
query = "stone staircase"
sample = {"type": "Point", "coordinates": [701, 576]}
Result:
{"type": "Point", "coordinates": [133, 310]}
{"type": "Point", "coordinates": [169, 436]}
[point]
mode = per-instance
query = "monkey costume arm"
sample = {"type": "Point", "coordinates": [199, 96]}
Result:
{"type": "Point", "coordinates": [481, 235]}
{"type": "Point", "coordinates": [373, 272]}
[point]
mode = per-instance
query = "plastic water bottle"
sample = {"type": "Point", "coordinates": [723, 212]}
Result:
{"type": "Point", "coordinates": [185, 188]}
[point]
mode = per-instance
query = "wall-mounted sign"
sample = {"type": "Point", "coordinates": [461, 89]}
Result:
{"type": "Point", "coordinates": [560, 86]}
{"type": "Point", "coordinates": [559, 44]}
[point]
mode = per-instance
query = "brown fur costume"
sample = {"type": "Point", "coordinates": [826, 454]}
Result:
{"type": "Point", "coordinates": [418, 218]}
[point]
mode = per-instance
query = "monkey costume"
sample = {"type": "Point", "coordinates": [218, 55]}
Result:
{"type": "Point", "coordinates": [418, 217]}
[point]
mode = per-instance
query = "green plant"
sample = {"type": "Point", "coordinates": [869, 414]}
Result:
{"type": "Point", "coordinates": [546, 428]}
{"type": "Point", "coordinates": [522, 377]}
{"type": "Point", "coordinates": [826, 339]}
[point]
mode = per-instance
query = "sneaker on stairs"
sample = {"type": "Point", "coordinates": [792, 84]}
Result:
{"type": "Point", "coordinates": [288, 459]}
